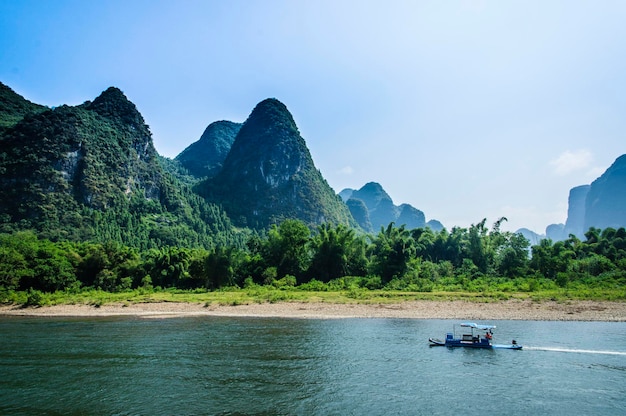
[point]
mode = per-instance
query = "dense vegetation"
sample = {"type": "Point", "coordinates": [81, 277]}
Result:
{"type": "Point", "coordinates": [269, 176]}
{"type": "Point", "coordinates": [205, 157]}
{"type": "Point", "coordinates": [332, 258]}
{"type": "Point", "coordinates": [13, 107]}
{"type": "Point", "coordinates": [91, 173]}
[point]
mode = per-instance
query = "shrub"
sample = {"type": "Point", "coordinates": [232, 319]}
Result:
{"type": "Point", "coordinates": [288, 281]}
{"type": "Point", "coordinates": [36, 298]}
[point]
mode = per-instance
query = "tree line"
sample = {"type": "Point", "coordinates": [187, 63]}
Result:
{"type": "Point", "coordinates": [290, 255]}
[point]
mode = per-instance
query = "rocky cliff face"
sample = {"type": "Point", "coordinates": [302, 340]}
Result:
{"type": "Point", "coordinates": [575, 223]}
{"type": "Point", "coordinates": [601, 204]}
{"type": "Point", "coordinates": [269, 175]}
{"type": "Point", "coordinates": [205, 157]}
{"type": "Point", "coordinates": [137, 170]}
{"type": "Point", "coordinates": [605, 205]}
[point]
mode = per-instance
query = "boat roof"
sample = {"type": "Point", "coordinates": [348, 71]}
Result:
{"type": "Point", "coordinates": [477, 326]}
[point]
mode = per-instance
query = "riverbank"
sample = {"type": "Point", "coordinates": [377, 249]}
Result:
{"type": "Point", "coordinates": [575, 310]}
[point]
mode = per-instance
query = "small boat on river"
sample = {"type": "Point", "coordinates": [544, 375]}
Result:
{"type": "Point", "coordinates": [472, 335]}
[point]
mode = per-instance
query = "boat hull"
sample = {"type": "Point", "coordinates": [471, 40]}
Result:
{"type": "Point", "coordinates": [434, 342]}
{"type": "Point", "coordinates": [455, 343]}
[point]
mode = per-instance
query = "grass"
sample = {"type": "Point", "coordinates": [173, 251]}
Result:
{"type": "Point", "coordinates": [263, 294]}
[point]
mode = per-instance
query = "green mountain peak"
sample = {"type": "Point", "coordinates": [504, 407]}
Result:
{"type": "Point", "coordinates": [269, 175]}
{"type": "Point", "coordinates": [13, 107]}
{"type": "Point", "coordinates": [113, 105]}
{"type": "Point", "coordinates": [205, 157]}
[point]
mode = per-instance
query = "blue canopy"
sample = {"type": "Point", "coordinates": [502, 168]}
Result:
{"type": "Point", "coordinates": [477, 326]}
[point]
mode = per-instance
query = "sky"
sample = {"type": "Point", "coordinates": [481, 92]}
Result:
{"type": "Point", "coordinates": [464, 109]}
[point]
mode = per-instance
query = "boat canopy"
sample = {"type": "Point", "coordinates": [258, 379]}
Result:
{"type": "Point", "coordinates": [477, 326]}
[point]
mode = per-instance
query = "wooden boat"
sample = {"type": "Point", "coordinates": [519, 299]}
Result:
{"type": "Point", "coordinates": [472, 335]}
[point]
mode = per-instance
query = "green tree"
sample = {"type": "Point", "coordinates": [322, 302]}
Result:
{"type": "Point", "coordinates": [221, 265]}
{"type": "Point", "coordinates": [512, 258]}
{"type": "Point", "coordinates": [167, 266]}
{"type": "Point", "coordinates": [337, 252]}
{"type": "Point", "coordinates": [52, 269]}
{"type": "Point", "coordinates": [391, 251]}
{"type": "Point", "coordinates": [549, 258]}
{"type": "Point", "coordinates": [287, 248]}
{"type": "Point", "coordinates": [13, 267]}
{"type": "Point", "coordinates": [478, 249]}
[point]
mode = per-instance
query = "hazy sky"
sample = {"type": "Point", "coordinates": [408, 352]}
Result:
{"type": "Point", "coordinates": [464, 109]}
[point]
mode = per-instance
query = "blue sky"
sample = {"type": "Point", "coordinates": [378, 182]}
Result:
{"type": "Point", "coordinates": [464, 109]}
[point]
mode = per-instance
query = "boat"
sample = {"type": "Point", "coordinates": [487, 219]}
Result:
{"type": "Point", "coordinates": [472, 335]}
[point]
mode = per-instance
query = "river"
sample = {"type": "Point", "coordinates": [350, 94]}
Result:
{"type": "Point", "coordinates": [272, 366]}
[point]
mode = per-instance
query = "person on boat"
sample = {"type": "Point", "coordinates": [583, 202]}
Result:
{"type": "Point", "coordinates": [488, 335]}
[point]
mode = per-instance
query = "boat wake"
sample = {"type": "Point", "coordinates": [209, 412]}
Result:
{"type": "Point", "coordinates": [556, 349]}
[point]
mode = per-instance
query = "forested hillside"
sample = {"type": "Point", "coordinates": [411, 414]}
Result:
{"type": "Point", "coordinates": [91, 173]}
{"type": "Point", "coordinates": [269, 176]}
{"type": "Point", "coordinates": [205, 157]}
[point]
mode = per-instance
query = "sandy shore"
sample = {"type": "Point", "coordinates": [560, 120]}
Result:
{"type": "Point", "coordinates": [512, 309]}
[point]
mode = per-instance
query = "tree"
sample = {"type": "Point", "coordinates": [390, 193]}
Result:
{"type": "Point", "coordinates": [550, 259]}
{"type": "Point", "coordinates": [13, 267]}
{"type": "Point", "coordinates": [512, 257]}
{"type": "Point", "coordinates": [53, 269]}
{"type": "Point", "coordinates": [336, 252]}
{"type": "Point", "coordinates": [220, 266]}
{"type": "Point", "coordinates": [478, 250]}
{"type": "Point", "coordinates": [287, 248]}
{"type": "Point", "coordinates": [391, 251]}
{"type": "Point", "coordinates": [168, 266]}
{"type": "Point", "coordinates": [424, 243]}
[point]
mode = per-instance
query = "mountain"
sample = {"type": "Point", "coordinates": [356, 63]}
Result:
{"type": "Point", "coordinates": [605, 205]}
{"type": "Point", "coordinates": [435, 225]}
{"type": "Point", "coordinates": [360, 213]}
{"type": "Point", "coordinates": [555, 232]}
{"type": "Point", "coordinates": [13, 107]}
{"type": "Point", "coordinates": [601, 204]}
{"type": "Point", "coordinates": [380, 209]}
{"type": "Point", "coordinates": [346, 194]}
{"type": "Point", "coordinates": [530, 235]}
{"type": "Point", "coordinates": [205, 157]}
{"type": "Point", "coordinates": [576, 202]}
{"type": "Point", "coordinates": [269, 175]}
{"type": "Point", "coordinates": [412, 217]}
{"type": "Point", "coordinates": [91, 172]}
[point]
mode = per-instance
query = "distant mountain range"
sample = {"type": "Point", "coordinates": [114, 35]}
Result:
{"type": "Point", "coordinates": [91, 172]}
{"type": "Point", "coordinates": [373, 208]}
{"type": "Point", "coordinates": [267, 174]}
